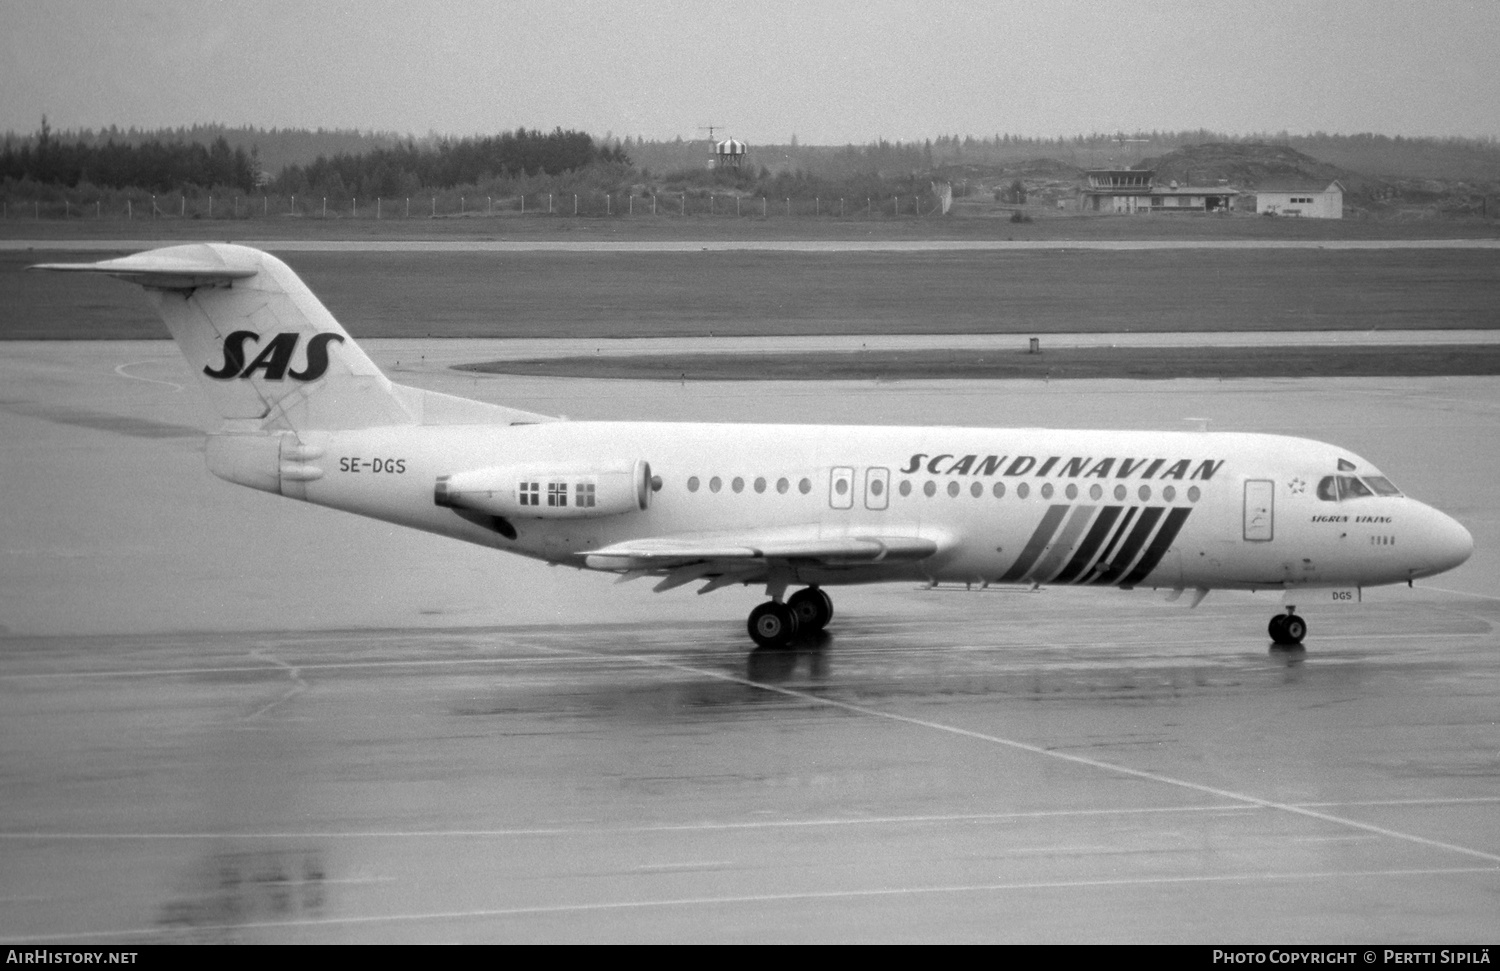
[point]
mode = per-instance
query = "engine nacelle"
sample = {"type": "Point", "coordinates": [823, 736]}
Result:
{"type": "Point", "coordinates": [561, 491]}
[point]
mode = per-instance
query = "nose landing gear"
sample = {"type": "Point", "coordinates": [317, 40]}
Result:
{"type": "Point", "coordinates": [1287, 629]}
{"type": "Point", "coordinates": [776, 624]}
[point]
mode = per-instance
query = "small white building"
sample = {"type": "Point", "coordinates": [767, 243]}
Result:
{"type": "Point", "coordinates": [1136, 190]}
{"type": "Point", "coordinates": [1301, 199]}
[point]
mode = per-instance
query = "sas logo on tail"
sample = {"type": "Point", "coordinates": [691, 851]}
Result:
{"type": "Point", "coordinates": [274, 359]}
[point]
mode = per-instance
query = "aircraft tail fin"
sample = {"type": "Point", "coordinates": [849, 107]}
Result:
{"type": "Point", "coordinates": [264, 347]}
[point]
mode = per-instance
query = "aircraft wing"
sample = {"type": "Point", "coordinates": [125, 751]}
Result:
{"type": "Point", "coordinates": [744, 557]}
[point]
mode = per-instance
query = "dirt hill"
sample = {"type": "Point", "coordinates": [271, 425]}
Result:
{"type": "Point", "coordinates": [1250, 165]}
{"type": "Point", "coordinates": [1245, 166]}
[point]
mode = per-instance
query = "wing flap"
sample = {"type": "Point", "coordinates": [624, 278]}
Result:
{"type": "Point", "coordinates": [670, 552]}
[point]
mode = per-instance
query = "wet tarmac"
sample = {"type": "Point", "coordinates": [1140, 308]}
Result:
{"type": "Point", "coordinates": [229, 717]}
{"type": "Point", "coordinates": [1025, 770]}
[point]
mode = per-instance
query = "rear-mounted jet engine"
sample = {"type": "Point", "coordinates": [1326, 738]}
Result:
{"type": "Point", "coordinates": [548, 491]}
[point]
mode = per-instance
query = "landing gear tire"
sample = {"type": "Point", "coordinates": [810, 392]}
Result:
{"type": "Point", "coordinates": [773, 624]}
{"type": "Point", "coordinates": [1287, 629]}
{"type": "Point", "coordinates": [813, 607]}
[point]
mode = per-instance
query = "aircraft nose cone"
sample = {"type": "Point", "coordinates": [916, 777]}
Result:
{"type": "Point", "coordinates": [1460, 543]}
{"type": "Point", "coordinates": [1450, 544]}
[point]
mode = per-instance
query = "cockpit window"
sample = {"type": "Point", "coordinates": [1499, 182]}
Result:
{"type": "Point", "coordinates": [1338, 488]}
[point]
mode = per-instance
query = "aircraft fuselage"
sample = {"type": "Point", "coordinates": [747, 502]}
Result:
{"type": "Point", "coordinates": [1023, 506]}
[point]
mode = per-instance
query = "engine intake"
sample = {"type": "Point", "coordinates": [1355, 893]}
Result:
{"type": "Point", "coordinates": [548, 491]}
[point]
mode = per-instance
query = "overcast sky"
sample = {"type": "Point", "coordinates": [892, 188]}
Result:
{"type": "Point", "coordinates": [765, 70]}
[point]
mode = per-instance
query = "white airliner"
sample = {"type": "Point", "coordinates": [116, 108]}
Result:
{"type": "Point", "coordinates": [308, 416]}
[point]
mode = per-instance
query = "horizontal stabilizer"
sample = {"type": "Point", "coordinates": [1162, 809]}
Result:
{"type": "Point", "coordinates": [174, 268]}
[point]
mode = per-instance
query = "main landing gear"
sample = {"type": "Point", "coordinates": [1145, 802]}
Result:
{"type": "Point", "coordinates": [1287, 629]}
{"type": "Point", "coordinates": [776, 624]}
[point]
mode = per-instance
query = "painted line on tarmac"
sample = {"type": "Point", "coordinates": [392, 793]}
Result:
{"type": "Point", "coordinates": [709, 827]}
{"type": "Point", "coordinates": [767, 898]}
{"type": "Point", "coordinates": [295, 687]}
{"type": "Point", "coordinates": [270, 667]}
{"type": "Point", "coordinates": [1082, 760]}
{"type": "Point", "coordinates": [1460, 593]}
{"type": "Point", "coordinates": [589, 831]}
{"type": "Point", "coordinates": [136, 377]}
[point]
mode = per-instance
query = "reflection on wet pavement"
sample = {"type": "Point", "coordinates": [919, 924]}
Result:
{"type": "Point", "coordinates": [227, 889]}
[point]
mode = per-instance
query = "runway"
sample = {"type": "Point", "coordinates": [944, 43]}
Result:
{"type": "Point", "coordinates": [230, 717]}
{"type": "Point", "coordinates": [752, 245]}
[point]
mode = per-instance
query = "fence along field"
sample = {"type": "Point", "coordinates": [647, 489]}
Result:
{"type": "Point", "coordinates": [116, 205]}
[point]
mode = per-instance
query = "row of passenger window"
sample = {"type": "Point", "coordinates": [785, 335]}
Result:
{"type": "Point", "coordinates": [737, 484]}
{"type": "Point", "coordinates": [1048, 490]}
{"type": "Point", "coordinates": [954, 488]}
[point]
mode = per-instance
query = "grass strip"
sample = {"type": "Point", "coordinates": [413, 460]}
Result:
{"type": "Point", "coordinates": [1136, 363]}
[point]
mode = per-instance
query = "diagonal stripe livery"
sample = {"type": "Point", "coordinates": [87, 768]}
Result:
{"type": "Point", "coordinates": [1120, 562]}
{"type": "Point", "coordinates": [1120, 532]}
{"type": "Point", "coordinates": [1055, 557]}
{"type": "Point", "coordinates": [1036, 544]}
{"type": "Point", "coordinates": [1158, 548]}
{"type": "Point", "coordinates": [1091, 543]}
{"type": "Point", "coordinates": [1051, 556]}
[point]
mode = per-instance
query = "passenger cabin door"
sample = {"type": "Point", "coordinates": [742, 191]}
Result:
{"type": "Point", "coordinates": [1260, 504]}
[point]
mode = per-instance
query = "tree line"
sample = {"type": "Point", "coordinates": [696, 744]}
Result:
{"type": "Point", "coordinates": [345, 164]}
{"type": "Point", "coordinates": [409, 168]}
{"type": "Point", "coordinates": [405, 168]}
{"type": "Point", "coordinates": [155, 165]}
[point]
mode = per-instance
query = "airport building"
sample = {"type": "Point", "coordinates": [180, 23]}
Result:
{"type": "Point", "coordinates": [1136, 191]}
{"type": "Point", "coordinates": [1308, 200]}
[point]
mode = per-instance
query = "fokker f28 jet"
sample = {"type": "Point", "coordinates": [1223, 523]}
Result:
{"type": "Point", "coordinates": [305, 414]}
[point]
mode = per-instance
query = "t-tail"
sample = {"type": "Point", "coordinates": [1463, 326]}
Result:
{"type": "Point", "coordinates": [272, 359]}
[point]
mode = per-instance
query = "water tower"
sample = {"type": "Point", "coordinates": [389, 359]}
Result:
{"type": "Point", "coordinates": [730, 153]}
